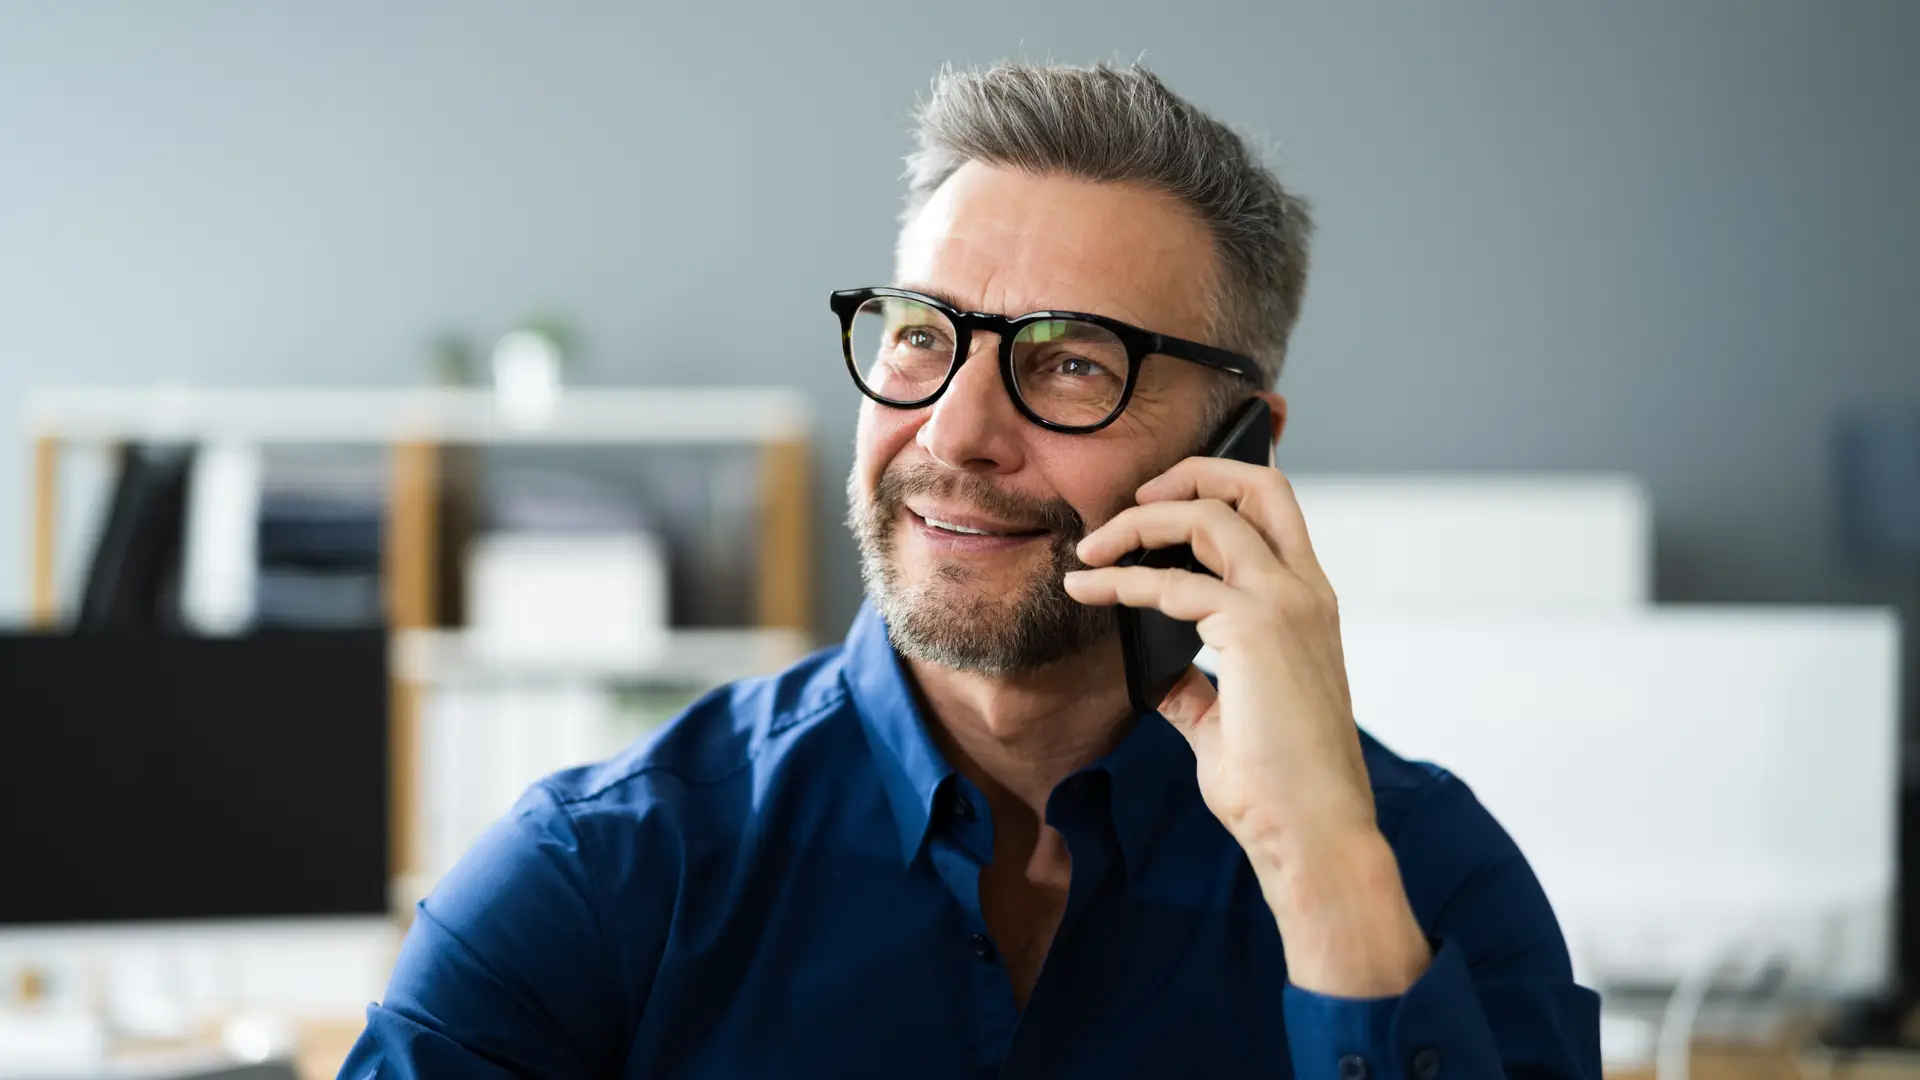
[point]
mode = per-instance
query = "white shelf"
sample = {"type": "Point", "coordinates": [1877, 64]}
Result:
{"type": "Point", "coordinates": [714, 656]}
{"type": "Point", "coordinates": [626, 415]}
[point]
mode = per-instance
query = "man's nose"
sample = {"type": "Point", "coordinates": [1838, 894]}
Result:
{"type": "Point", "coordinates": [974, 426]}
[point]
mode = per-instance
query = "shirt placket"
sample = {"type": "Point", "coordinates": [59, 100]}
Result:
{"type": "Point", "coordinates": [959, 852]}
{"type": "Point", "coordinates": [1074, 811]}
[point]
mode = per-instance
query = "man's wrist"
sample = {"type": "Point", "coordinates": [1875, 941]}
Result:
{"type": "Point", "coordinates": [1343, 916]}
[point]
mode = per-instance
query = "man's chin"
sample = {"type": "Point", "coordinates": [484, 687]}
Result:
{"type": "Point", "coordinates": [963, 584]}
{"type": "Point", "coordinates": [957, 595]}
{"type": "Point", "coordinates": [970, 625]}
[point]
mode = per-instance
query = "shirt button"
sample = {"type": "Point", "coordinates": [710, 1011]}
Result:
{"type": "Point", "coordinates": [1353, 1067]}
{"type": "Point", "coordinates": [962, 808]}
{"type": "Point", "coordinates": [1426, 1063]}
{"type": "Point", "coordinates": [982, 946]}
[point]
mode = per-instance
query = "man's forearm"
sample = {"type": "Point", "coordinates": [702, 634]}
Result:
{"type": "Point", "coordinates": [1344, 917]}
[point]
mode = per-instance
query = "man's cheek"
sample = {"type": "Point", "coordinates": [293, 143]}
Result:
{"type": "Point", "coordinates": [1106, 511]}
{"type": "Point", "coordinates": [881, 432]}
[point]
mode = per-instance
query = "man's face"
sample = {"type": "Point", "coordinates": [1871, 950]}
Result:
{"type": "Point", "coordinates": [986, 596]}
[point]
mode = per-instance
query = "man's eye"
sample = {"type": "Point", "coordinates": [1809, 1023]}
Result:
{"type": "Point", "coordinates": [918, 337]}
{"type": "Point", "coordinates": [1079, 367]}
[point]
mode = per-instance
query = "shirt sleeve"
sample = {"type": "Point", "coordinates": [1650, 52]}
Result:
{"type": "Point", "coordinates": [480, 987]}
{"type": "Point", "coordinates": [1497, 1000]}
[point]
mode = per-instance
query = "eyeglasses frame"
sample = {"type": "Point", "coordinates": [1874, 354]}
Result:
{"type": "Point", "coordinates": [1139, 343]}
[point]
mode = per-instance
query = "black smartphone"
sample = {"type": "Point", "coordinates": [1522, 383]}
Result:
{"type": "Point", "coordinates": [1157, 648]}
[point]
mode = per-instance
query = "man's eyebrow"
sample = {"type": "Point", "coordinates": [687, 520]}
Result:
{"type": "Point", "coordinates": [954, 302]}
{"type": "Point", "coordinates": [944, 297]}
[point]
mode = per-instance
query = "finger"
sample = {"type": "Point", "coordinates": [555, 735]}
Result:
{"type": "Point", "coordinates": [1190, 700]}
{"type": "Point", "coordinates": [1262, 495]}
{"type": "Point", "coordinates": [1222, 540]}
{"type": "Point", "coordinates": [1180, 594]}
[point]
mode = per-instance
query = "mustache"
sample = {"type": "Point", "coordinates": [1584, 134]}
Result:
{"type": "Point", "coordinates": [897, 485]}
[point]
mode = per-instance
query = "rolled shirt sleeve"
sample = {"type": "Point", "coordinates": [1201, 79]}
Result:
{"type": "Point", "coordinates": [1498, 998]}
{"type": "Point", "coordinates": [1435, 1029]}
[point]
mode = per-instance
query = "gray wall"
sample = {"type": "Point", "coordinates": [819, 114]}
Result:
{"type": "Point", "coordinates": [1666, 238]}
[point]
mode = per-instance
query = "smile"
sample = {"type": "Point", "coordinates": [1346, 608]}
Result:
{"type": "Point", "coordinates": [965, 531]}
{"type": "Point", "coordinates": [973, 536]}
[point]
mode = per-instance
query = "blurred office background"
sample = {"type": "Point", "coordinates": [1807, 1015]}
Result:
{"type": "Point", "coordinates": [1674, 246]}
{"type": "Point", "coordinates": [1666, 239]}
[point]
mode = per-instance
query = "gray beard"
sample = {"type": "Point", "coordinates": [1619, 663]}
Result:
{"type": "Point", "coordinates": [944, 621]}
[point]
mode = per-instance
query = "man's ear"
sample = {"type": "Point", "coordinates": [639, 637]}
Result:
{"type": "Point", "coordinates": [1279, 406]}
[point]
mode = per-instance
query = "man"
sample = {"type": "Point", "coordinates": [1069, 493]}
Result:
{"type": "Point", "coordinates": [950, 847]}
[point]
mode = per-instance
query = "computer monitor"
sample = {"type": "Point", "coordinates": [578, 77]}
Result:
{"type": "Point", "coordinates": [153, 777]}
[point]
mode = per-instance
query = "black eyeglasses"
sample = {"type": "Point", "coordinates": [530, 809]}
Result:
{"type": "Point", "coordinates": [1065, 370]}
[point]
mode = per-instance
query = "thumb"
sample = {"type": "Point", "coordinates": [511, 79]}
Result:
{"type": "Point", "coordinates": [1189, 702]}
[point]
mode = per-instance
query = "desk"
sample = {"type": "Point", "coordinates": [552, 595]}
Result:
{"type": "Point", "coordinates": [323, 1048]}
{"type": "Point", "coordinates": [1780, 1062]}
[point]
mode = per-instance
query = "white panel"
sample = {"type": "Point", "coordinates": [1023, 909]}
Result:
{"type": "Point", "coordinates": [222, 534]}
{"type": "Point", "coordinates": [1535, 541]}
{"type": "Point", "coordinates": [601, 596]}
{"type": "Point", "coordinates": [1684, 780]}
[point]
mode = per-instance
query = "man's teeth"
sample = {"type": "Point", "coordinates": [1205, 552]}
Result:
{"type": "Point", "coordinates": [951, 527]}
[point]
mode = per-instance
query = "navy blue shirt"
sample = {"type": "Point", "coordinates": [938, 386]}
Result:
{"type": "Point", "coordinates": [786, 883]}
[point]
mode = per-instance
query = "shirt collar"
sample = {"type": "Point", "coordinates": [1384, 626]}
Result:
{"type": "Point", "coordinates": [1151, 772]}
{"type": "Point", "coordinates": [911, 767]}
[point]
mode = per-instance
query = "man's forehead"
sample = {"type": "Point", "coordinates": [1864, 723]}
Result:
{"type": "Point", "coordinates": [1009, 242]}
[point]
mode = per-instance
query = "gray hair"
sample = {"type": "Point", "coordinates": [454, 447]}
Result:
{"type": "Point", "coordinates": [1122, 125]}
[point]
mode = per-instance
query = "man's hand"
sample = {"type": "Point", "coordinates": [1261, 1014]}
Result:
{"type": "Point", "coordinates": [1278, 754]}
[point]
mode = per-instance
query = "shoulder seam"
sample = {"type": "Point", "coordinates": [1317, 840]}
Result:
{"type": "Point", "coordinates": [832, 701]}
{"type": "Point", "coordinates": [602, 895]}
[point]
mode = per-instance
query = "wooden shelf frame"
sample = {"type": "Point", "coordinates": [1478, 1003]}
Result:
{"type": "Point", "coordinates": [416, 426]}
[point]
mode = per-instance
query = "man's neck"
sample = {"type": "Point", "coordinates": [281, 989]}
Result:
{"type": "Point", "coordinates": [1016, 737]}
